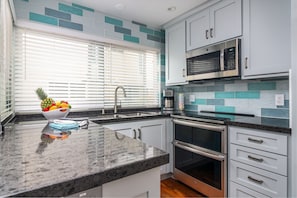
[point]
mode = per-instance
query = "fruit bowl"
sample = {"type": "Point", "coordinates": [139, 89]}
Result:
{"type": "Point", "coordinates": [56, 114]}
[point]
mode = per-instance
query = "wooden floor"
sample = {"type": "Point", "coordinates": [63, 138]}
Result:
{"type": "Point", "coordinates": [174, 188]}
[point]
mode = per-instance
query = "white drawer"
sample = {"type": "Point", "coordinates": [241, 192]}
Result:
{"type": "Point", "coordinates": [259, 180]}
{"type": "Point", "coordinates": [258, 139]}
{"type": "Point", "coordinates": [261, 159]}
{"type": "Point", "coordinates": [237, 190]}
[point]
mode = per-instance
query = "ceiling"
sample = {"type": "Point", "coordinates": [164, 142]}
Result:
{"type": "Point", "coordinates": [153, 13]}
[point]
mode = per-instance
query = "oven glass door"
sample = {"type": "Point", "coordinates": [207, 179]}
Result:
{"type": "Point", "coordinates": [205, 138]}
{"type": "Point", "coordinates": [200, 167]}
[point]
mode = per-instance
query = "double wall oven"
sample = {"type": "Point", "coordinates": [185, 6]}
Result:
{"type": "Point", "coordinates": [200, 154]}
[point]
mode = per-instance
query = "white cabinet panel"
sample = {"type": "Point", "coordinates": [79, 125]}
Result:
{"type": "Point", "coordinates": [257, 139]}
{"type": "Point", "coordinates": [258, 163]}
{"type": "Point", "coordinates": [241, 191]}
{"type": "Point", "coordinates": [266, 38]}
{"type": "Point", "coordinates": [225, 20]}
{"type": "Point", "coordinates": [198, 30]}
{"type": "Point", "coordinates": [259, 180]}
{"type": "Point", "coordinates": [144, 184]}
{"type": "Point", "coordinates": [175, 68]}
{"type": "Point", "coordinates": [152, 132]}
{"type": "Point", "coordinates": [219, 22]}
{"type": "Point", "coordinates": [264, 160]}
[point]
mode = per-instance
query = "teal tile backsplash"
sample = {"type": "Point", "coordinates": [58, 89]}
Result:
{"type": "Point", "coordinates": [89, 21]}
{"type": "Point", "coordinates": [237, 96]}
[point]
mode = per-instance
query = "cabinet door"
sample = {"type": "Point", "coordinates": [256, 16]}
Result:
{"type": "Point", "coordinates": [198, 32]}
{"type": "Point", "coordinates": [175, 55]}
{"type": "Point", "coordinates": [266, 38]}
{"type": "Point", "coordinates": [225, 20]}
{"type": "Point", "coordinates": [143, 184]}
{"type": "Point", "coordinates": [153, 133]}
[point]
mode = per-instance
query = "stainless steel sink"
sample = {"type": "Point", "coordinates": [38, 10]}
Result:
{"type": "Point", "coordinates": [124, 115]}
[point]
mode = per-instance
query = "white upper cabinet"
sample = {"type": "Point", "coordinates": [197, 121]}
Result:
{"type": "Point", "coordinates": [219, 22]}
{"type": "Point", "coordinates": [266, 38]}
{"type": "Point", "coordinates": [176, 54]}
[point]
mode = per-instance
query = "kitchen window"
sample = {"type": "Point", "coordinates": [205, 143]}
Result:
{"type": "Point", "coordinates": [6, 26]}
{"type": "Point", "coordinates": [85, 73]}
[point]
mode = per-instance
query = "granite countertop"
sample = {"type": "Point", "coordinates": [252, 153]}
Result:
{"type": "Point", "coordinates": [35, 162]}
{"type": "Point", "coordinates": [262, 123]}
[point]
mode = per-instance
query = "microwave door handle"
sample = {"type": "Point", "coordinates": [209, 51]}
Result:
{"type": "Point", "coordinates": [200, 125]}
{"type": "Point", "coordinates": [196, 151]}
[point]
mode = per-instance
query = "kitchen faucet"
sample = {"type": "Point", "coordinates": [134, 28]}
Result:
{"type": "Point", "coordinates": [115, 110]}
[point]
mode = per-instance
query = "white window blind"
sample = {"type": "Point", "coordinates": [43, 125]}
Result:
{"type": "Point", "coordinates": [85, 73]}
{"type": "Point", "coordinates": [6, 26]}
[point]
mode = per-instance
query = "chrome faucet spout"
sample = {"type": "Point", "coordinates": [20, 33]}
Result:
{"type": "Point", "coordinates": [115, 110]}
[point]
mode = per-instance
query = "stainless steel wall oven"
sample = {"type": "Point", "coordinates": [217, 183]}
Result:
{"type": "Point", "coordinates": [200, 154]}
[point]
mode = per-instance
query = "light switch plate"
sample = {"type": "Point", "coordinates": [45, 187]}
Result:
{"type": "Point", "coordinates": [279, 99]}
{"type": "Point", "coordinates": [192, 98]}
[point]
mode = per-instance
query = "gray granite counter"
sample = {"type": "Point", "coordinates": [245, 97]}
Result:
{"type": "Point", "coordinates": [35, 161]}
{"type": "Point", "coordinates": [263, 123]}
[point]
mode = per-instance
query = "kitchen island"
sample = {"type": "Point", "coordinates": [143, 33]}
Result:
{"type": "Point", "coordinates": [37, 161]}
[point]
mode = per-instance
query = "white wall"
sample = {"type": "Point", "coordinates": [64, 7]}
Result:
{"type": "Point", "coordinates": [293, 168]}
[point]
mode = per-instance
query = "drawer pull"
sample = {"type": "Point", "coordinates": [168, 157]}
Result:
{"type": "Point", "coordinates": [255, 140]}
{"type": "Point", "coordinates": [255, 180]}
{"type": "Point", "coordinates": [255, 159]}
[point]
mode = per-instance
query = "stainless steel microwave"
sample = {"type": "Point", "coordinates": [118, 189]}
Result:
{"type": "Point", "coordinates": [217, 61]}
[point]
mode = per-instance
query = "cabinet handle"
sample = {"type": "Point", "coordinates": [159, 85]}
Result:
{"type": "Point", "coordinates": [255, 159]}
{"type": "Point", "coordinates": [255, 180]}
{"type": "Point", "coordinates": [206, 34]}
{"type": "Point", "coordinates": [139, 134]}
{"type": "Point", "coordinates": [255, 140]}
{"type": "Point", "coordinates": [211, 32]}
{"type": "Point", "coordinates": [134, 134]}
{"type": "Point", "coordinates": [246, 63]}
{"type": "Point", "coordinates": [184, 73]}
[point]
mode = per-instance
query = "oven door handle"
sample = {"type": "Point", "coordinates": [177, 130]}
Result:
{"type": "Point", "coordinates": [200, 125]}
{"type": "Point", "coordinates": [187, 147]}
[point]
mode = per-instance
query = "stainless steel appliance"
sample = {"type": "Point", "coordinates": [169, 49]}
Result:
{"type": "Point", "coordinates": [200, 154]}
{"type": "Point", "coordinates": [168, 100]}
{"type": "Point", "coordinates": [216, 61]}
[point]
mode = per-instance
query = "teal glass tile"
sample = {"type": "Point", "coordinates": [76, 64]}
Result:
{"type": "Point", "coordinates": [71, 25]}
{"type": "Point", "coordinates": [224, 94]}
{"type": "Point", "coordinates": [215, 101]}
{"type": "Point", "coordinates": [275, 113]}
{"type": "Point", "coordinates": [216, 88]}
{"type": "Point", "coordinates": [163, 79]}
{"type": "Point", "coordinates": [162, 59]}
{"type": "Point", "coordinates": [199, 101]}
{"type": "Point", "coordinates": [57, 14]}
{"type": "Point", "coordinates": [43, 19]}
{"type": "Point", "coordinates": [70, 9]}
{"type": "Point", "coordinates": [113, 21]}
{"type": "Point", "coordinates": [191, 107]}
{"type": "Point", "coordinates": [131, 38]}
{"type": "Point", "coordinates": [227, 109]}
{"type": "Point", "coordinates": [231, 117]}
{"type": "Point", "coordinates": [146, 30]}
{"type": "Point", "coordinates": [26, 0]}
{"type": "Point", "coordinates": [153, 38]}
{"type": "Point", "coordinates": [262, 86]}
{"type": "Point", "coordinates": [247, 94]}
{"type": "Point", "coordinates": [158, 33]}
{"type": "Point", "coordinates": [122, 30]}
{"type": "Point", "coordinates": [83, 7]}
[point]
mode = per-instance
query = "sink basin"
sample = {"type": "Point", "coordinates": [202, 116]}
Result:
{"type": "Point", "coordinates": [124, 115]}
